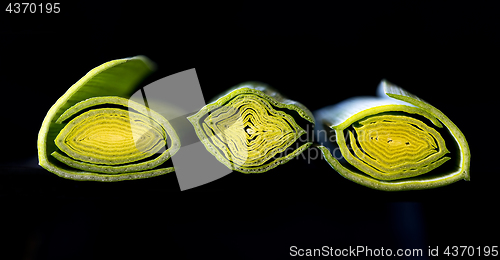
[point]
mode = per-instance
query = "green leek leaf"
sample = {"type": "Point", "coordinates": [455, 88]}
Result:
{"type": "Point", "coordinates": [393, 142]}
{"type": "Point", "coordinates": [94, 132]}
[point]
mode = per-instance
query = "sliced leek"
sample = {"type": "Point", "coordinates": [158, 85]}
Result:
{"type": "Point", "coordinates": [94, 132]}
{"type": "Point", "coordinates": [252, 128]}
{"type": "Point", "coordinates": [394, 142]}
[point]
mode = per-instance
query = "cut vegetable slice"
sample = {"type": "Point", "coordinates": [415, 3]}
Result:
{"type": "Point", "coordinates": [252, 128]}
{"type": "Point", "coordinates": [93, 132]}
{"type": "Point", "coordinates": [394, 142]}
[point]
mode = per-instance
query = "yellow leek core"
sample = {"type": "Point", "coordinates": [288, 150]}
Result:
{"type": "Point", "coordinates": [250, 131]}
{"type": "Point", "coordinates": [108, 136]}
{"type": "Point", "coordinates": [114, 139]}
{"type": "Point", "coordinates": [392, 147]}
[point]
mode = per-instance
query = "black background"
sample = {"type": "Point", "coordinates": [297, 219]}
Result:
{"type": "Point", "coordinates": [315, 53]}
